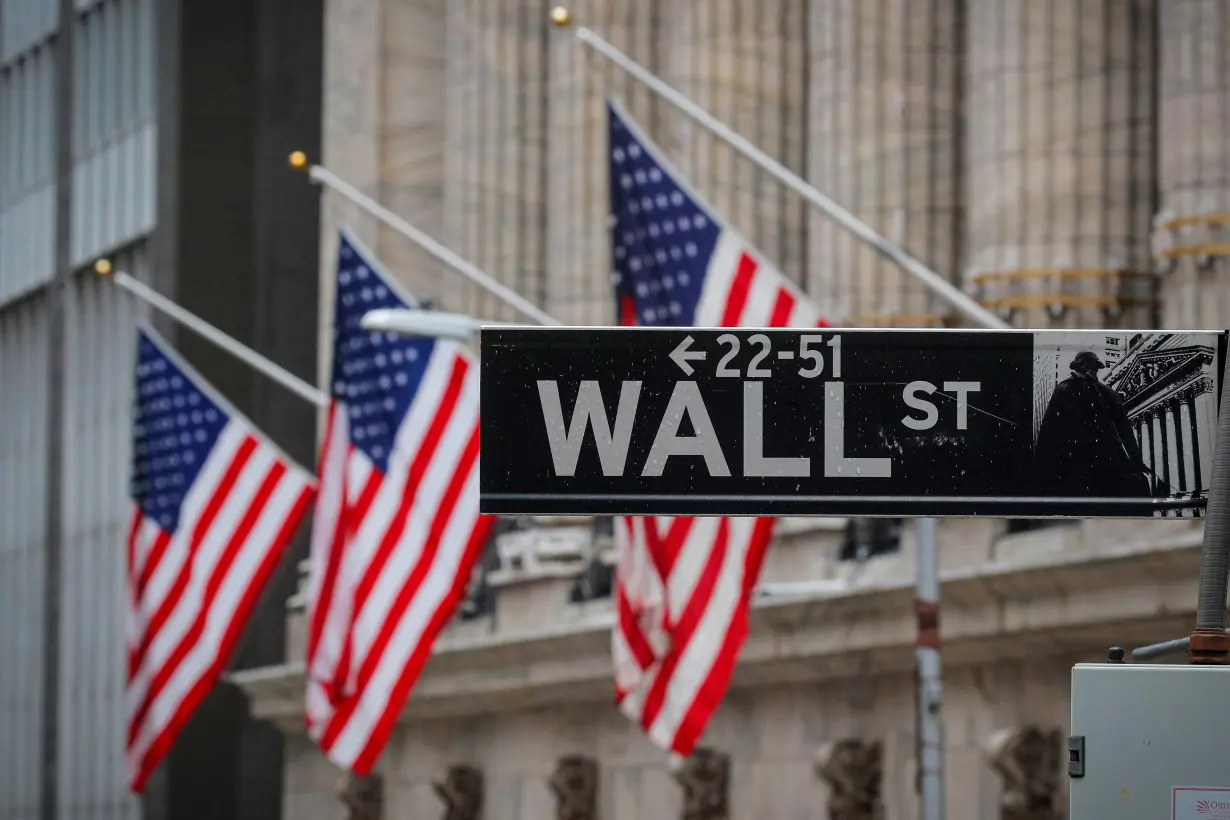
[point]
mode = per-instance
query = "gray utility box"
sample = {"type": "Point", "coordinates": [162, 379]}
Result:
{"type": "Point", "coordinates": [1149, 742]}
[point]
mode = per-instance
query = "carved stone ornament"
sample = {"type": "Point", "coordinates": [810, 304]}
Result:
{"type": "Point", "coordinates": [705, 778]}
{"type": "Point", "coordinates": [362, 796]}
{"type": "Point", "coordinates": [461, 789]}
{"type": "Point", "coordinates": [853, 768]}
{"type": "Point", "coordinates": [1028, 759]}
{"type": "Point", "coordinates": [575, 785]}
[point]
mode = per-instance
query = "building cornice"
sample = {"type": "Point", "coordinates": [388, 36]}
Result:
{"type": "Point", "coordinates": [1030, 605]}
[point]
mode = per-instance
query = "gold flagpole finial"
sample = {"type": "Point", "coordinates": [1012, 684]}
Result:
{"type": "Point", "coordinates": [103, 267]}
{"type": "Point", "coordinates": [298, 160]}
{"type": "Point", "coordinates": [560, 17]}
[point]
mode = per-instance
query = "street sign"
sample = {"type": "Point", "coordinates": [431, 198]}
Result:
{"type": "Point", "coordinates": [689, 421]}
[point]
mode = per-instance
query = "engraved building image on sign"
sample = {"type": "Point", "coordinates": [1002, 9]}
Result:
{"type": "Point", "coordinates": [1126, 414]}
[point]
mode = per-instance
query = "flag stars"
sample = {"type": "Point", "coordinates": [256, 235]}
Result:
{"type": "Point", "coordinates": [175, 427]}
{"type": "Point", "coordinates": [375, 374]}
{"type": "Point", "coordinates": [660, 233]}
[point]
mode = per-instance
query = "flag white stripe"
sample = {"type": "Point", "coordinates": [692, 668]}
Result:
{"type": "Point", "coordinates": [222, 611]}
{"type": "Point", "coordinates": [192, 598]}
{"type": "Point", "coordinates": [690, 563]}
{"type": "Point", "coordinates": [346, 719]}
{"type": "Point", "coordinates": [803, 315]}
{"type": "Point", "coordinates": [196, 501]}
{"type": "Point", "coordinates": [411, 545]}
{"type": "Point", "coordinates": [409, 438]}
{"type": "Point", "coordinates": [325, 527]}
{"type": "Point", "coordinates": [411, 627]}
{"type": "Point", "coordinates": [703, 649]}
{"type": "Point", "coordinates": [719, 277]}
{"type": "Point", "coordinates": [147, 536]}
{"type": "Point", "coordinates": [761, 296]}
{"type": "Point", "coordinates": [358, 472]}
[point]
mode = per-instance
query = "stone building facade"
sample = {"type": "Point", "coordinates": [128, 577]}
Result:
{"type": "Point", "coordinates": [1065, 162]}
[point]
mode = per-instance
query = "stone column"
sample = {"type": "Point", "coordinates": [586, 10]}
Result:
{"type": "Point", "coordinates": [884, 141]}
{"type": "Point", "coordinates": [352, 119]}
{"type": "Point", "coordinates": [1060, 147]}
{"type": "Point", "coordinates": [1175, 420]}
{"type": "Point", "coordinates": [1194, 439]}
{"type": "Point", "coordinates": [1192, 239]}
{"type": "Point", "coordinates": [1159, 443]}
{"type": "Point", "coordinates": [1206, 422]}
{"type": "Point", "coordinates": [412, 98]}
{"type": "Point", "coordinates": [1146, 440]}
{"type": "Point", "coordinates": [1167, 438]}
{"type": "Point", "coordinates": [495, 149]}
{"type": "Point", "coordinates": [744, 62]}
{"type": "Point", "coordinates": [578, 253]}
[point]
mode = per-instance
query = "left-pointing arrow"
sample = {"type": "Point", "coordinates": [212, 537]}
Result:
{"type": "Point", "coordinates": [681, 356]}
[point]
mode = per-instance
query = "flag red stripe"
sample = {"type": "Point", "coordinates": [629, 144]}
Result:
{"type": "Point", "coordinates": [685, 627]}
{"type": "Point", "coordinates": [169, 602]}
{"type": "Point", "coordinates": [333, 559]}
{"type": "Point", "coordinates": [134, 532]}
{"type": "Point", "coordinates": [152, 560]}
{"type": "Point", "coordinates": [239, 619]}
{"type": "Point", "coordinates": [422, 651]}
{"type": "Point", "coordinates": [637, 643]}
{"type": "Point", "coordinates": [745, 272]}
{"type": "Point", "coordinates": [782, 307]}
{"type": "Point", "coordinates": [407, 592]}
{"type": "Point", "coordinates": [414, 479]}
{"type": "Point", "coordinates": [221, 569]}
{"type": "Point", "coordinates": [397, 527]}
{"type": "Point", "coordinates": [714, 687]}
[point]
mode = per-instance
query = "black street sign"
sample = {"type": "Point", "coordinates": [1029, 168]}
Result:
{"type": "Point", "coordinates": [685, 421]}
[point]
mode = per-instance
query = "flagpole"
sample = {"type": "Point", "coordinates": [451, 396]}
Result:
{"type": "Point", "coordinates": [228, 343]}
{"type": "Point", "coordinates": [929, 743]}
{"type": "Point", "coordinates": [933, 281]}
{"type": "Point", "coordinates": [323, 176]}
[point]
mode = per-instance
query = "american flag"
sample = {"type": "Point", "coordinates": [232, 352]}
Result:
{"type": "Point", "coordinates": [214, 506]}
{"type": "Point", "coordinates": [683, 583]}
{"type": "Point", "coordinates": [397, 531]}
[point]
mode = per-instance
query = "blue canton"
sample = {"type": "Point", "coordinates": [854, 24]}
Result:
{"type": "Point", "coordinates": [375, 375]}
{"type": "Point", "coordinates": [175, 426]}
{"type": "Point", "coordinates": [662, 237]}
